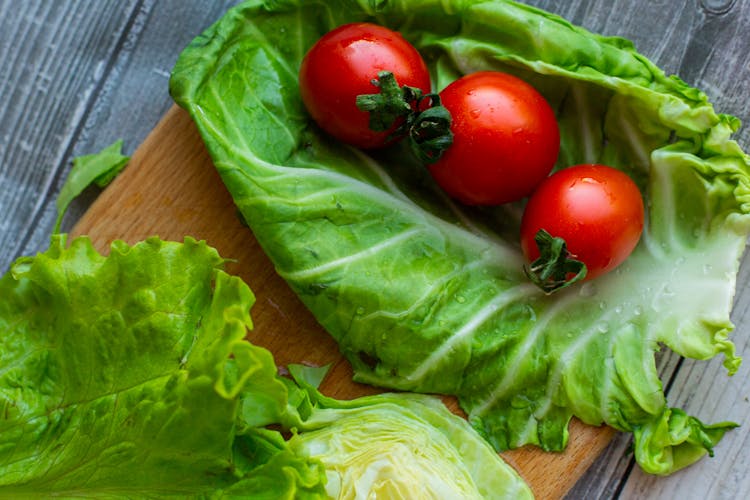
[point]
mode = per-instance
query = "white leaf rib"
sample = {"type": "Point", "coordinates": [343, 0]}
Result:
{"type": "Point", "coordinates": [491, 308]}
{"type": "Point", "coordinates": [351, 258]}
{"type": "Point", "coordinates": [606, 384]}
{"type": "Point", "coordinates": [668, 202]}
{"type": "Point", "coordinates": [589, 154]}
{"type": "Point", "coordinates": [640, 152]}
{"type": "Point", "coordinates": [268, 199]}
{"type": "Point", "coordinates": [648, 238]}
{"type": "Point", "coordinates": [553, 380]}
{"type": "Point", "coordinates": [427, 293]}
{"type": "Point", "coordinates": [530, 341]}
{"type": "Point", "coordinates": [389, 186]}
{"type": "Point", "coordinates": [523, 437]}
{"type": "Point", "coordinates": [300, 28]}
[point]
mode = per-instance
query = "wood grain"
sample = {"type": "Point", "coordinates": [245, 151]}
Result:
{"type": "Point", "coordinates": [37, 126]}
{"type": "Point", "coordinates": [172, 190]}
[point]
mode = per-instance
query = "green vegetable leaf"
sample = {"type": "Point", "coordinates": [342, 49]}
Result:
{"type": "Point", "coordinates": [388, 443]}
{"type": "Point", "coordinates": [122, 377]}
{"type": "Point", "coordinates": [424, 444]}
{"type": "Point", "coordinates": [98, 168]}
{"type": "Point", "coordinates": [676, 440]}
{"type": "Point", "coordinates": [130, 376]}
{"type": "Point", "coordinates": [426, 295]}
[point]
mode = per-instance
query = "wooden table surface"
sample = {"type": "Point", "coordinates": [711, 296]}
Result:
{"type": "Point", "coordinates": [75, 75]}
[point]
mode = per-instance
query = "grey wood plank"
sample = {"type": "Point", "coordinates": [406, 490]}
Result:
{"type": "Point", "coordinates": [53, 54]}
{"type": "Point", "coordinates": [134, 95]}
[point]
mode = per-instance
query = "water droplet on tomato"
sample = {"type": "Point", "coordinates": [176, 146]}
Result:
{"type": "Point", "coordinates": [475, 113]}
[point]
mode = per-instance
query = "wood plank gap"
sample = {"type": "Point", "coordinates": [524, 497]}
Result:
{"type": "Point", "coordinates": [61, 168]}
{"type": "Point", "coordinates": [624, 479]}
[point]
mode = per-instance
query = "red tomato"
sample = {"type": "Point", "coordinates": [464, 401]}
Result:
{"type": "Point", "coordinates": [597, 210]}
{"type": "Point", "coordinates": [505, 139]}
{"type": "Point", "coordinates": [342, 65]}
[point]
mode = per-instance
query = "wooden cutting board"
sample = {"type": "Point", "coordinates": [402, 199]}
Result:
{"type": "Point", "coordinates": [171, 189]}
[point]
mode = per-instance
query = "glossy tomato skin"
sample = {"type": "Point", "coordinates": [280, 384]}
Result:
{"type": "Point", "coordinates": [505, 139]}
{"type": "Point", "coordinates": [342, 64]}
{"type": "Point", "coordinates": [598, 211]}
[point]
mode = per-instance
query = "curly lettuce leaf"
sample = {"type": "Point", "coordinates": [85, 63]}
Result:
{"type": "Point", "coordinates": [425, 295]}
{"type": "Point", "coordinates": [122, 376]}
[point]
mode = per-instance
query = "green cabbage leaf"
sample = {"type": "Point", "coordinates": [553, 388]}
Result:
{"type": "Point", "coordinates": [425, 295]}
{"type": "Point", "coordinates": [129, 376]}
{"type": "Point", "coordinates": [388, 444]}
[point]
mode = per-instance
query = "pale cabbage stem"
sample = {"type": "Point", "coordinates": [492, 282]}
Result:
{"type": "Point", "coordinates": [428, 292]}
{"type": "Point", "coordinates": [333, 264]}
{"type": "Point", "coordinates": [589, 155]}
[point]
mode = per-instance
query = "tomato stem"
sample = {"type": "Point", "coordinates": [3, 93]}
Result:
{"type": "Point", "coordinates": [555, 268]}
{"type": "Point", "coordinates": [430, 130]}
{"type": "Point", "coordinates": [428, 127]}
{"type": "Point", "coordinates": [390, 104]}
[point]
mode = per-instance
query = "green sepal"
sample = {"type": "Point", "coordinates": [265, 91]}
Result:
{"type": "Point", "coordinates": [430, 131]}
{"type": "Point", "coordinates": [428, 128]}
{"type": "Point", "coordinates": [555, 268]}
{"type": "Point", "coordinates": [390, 104]}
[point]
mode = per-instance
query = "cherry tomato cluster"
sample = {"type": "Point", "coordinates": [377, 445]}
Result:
{"type": "Point", "coordinates": [488, 138]}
